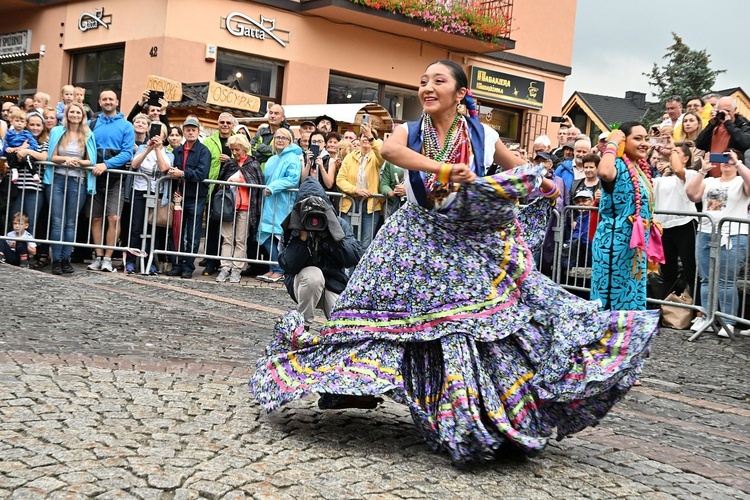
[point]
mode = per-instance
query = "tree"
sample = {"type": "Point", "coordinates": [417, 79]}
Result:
{"type": "Point", "coordinates": [686, 74]}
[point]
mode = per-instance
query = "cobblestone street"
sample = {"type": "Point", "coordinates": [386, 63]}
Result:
{"type": "Point", "coordinates": [134, 387]}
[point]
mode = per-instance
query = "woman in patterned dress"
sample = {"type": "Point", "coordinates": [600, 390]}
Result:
{"type": "Point", "coordinates": [446, 314]}
{"type": "Point", "coordinates": [618, 278]}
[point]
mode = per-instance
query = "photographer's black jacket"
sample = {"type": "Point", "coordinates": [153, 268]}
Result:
{"type": "Point", "coordinates": [739, 134]}
{"type": "Point", "coordinates": [334, 257]}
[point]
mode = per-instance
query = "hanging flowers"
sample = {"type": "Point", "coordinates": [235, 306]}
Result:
{"type": "Point", "coordinates": [468, 18]}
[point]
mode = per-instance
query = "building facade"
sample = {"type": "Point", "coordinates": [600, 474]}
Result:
{"type": "Point", "coordinates": [288, 52]}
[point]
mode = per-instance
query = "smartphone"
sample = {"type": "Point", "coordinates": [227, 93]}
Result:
{"type": "Point", "coordinates": [155, 129]}
{"type": "Point", "coordinates": [315, 151]}
{"type": "Point", "coordinates": [719, 158]}
{"type": "Point", "coordinates": [658, 141]}
{"type": "Point", "coordinates": [365, 119]}
{"type": "Point", "coordinates": [655, 131]}
{"type": "Point", "coordinates": [154, 96]}
{"type": "Point", "coordinates": [557, 119]}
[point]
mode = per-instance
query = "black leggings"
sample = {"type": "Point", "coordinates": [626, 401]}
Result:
{"type": "Point", "coordinates": [679, 242]}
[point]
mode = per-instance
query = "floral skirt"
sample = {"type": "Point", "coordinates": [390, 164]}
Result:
{"type": "Point", "coordinates": [446, 314]}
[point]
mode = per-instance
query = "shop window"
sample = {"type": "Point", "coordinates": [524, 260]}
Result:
{"type": "Point", "coordinates": [18, 78]}
{"type": "Point", "coordinates": [402, 103]}
{"type": "Point", "coordinates": [97, 71]}
{"type": "Point", "coordinates": [506, 121]}
{"type": "Point", "coordinates": [262, 77]}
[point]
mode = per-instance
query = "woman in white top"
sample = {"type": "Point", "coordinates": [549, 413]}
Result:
{"type": "Point", "coordinates": [679, 230]}
{"type": "Point", "coordinates": [152, 159]}
{"type": "Point", "coordinates": [724, 196]}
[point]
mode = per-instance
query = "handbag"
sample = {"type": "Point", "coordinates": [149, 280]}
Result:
{"type": "Point", "coordinates": [223, 205]}
{"type": "Point", "coordinates": [677, 317]}
{"type": "Point", "coordinates": [163, 213]}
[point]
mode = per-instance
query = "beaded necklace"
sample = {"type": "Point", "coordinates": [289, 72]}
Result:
{"type": "Point", "coordinates": [456, 149]}
{"type": "Point", "coordinates": [641, 171]}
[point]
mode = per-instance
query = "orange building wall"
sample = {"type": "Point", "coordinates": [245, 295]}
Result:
{"type": "Point", "coordinates": [181, 29]}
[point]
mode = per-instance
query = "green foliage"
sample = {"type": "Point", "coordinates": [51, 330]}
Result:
{"type": "Point", "coordinates": [686, 74]}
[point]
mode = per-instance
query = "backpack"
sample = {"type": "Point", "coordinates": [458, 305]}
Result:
{"type": "Point", "coordinates": [223, 205]}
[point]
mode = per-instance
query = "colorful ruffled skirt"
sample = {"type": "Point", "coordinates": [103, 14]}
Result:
{"type": "Point", "coordinates": [446, 314]}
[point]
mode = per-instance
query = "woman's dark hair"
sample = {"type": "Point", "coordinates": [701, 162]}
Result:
{"type": "Point", "coordinates": [627, 127]}
{"type": "Point", "coordinates": [332, 135]}
{"type": "Point", "coordinates": [685, 148]}
{"type": "Point", "coordinates": [317, 132]}
{"type": "Point", "coordinates": [174, 127]}
{"type": "Point", "coordinates": [456, 71]}
{"type": "Point", "coordinates": [591, 157]}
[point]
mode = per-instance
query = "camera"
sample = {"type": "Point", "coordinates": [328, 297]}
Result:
{"type": "Point", "coordinates": [313, 212]}
{"type": "Point", "coordinates": [315, 221]}
{"type": "Point", "coordinates": [721, 115]}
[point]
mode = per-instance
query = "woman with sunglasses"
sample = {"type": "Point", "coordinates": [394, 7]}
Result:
{"type": "Point", "coordinates": [282, 172]}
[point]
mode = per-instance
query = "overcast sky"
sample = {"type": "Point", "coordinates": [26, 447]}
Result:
{"type": "Point", "coordinates": [615, 42]}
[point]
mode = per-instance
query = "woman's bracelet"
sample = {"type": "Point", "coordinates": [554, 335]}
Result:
{"type": "Point", "coordinates": [444, 174]}
{"type": "Point", "coordinates": [702, 173]}
{"type": "Point", "coordinates": [611, 151]}
{"type": "Point", "coordinates": [551, 193]}
{"type": "Point", "coordinates": [614, 145]}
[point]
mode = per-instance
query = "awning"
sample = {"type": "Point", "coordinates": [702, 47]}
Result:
{"type": "Point", "coordinates": [344, 114]}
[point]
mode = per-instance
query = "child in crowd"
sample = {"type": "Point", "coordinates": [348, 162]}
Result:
{"type": "Point", "coordinates": [41, 101]}
{"type": "Point", "coordinates": [67, 94]}
{"type": "Point", "coordinates": [16, 252]}
{"type": "Point", "coordinates": [79, 95]}
{"type": "Point", "coordinates": [16, 138]}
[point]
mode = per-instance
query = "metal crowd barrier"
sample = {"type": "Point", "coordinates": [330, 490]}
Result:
{"type": "Point", "coordinates": [728, 270]}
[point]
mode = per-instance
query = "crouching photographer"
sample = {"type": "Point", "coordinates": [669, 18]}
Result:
{"type": "Point", "coordinates": [317, 248]}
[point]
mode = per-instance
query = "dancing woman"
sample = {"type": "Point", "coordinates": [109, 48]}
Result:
{"type": "Point", "coordinates": [446, 314]}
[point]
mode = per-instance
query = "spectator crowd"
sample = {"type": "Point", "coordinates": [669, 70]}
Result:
{"type": "Point", "coordinates": [71, 177]}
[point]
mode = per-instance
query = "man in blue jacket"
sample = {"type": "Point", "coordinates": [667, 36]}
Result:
{"type": "Point", "coordinates": [115, 142]}
{"type": "Point", "coordinates": [318, 247]}
{"type": "Point", "coordinates": [192, 161]}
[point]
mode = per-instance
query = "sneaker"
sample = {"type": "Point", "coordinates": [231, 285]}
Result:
{"type": "Point", "coordinates": [235, 276]}
{"type": "Point", "coordinates": [107, 265]}
{"type": "Point", "coordinates": [153, 270]}
{"type": "Point", "coordinates": [66, 267]}
{"type": "Point", "coordinates": [56, 268]}
{"type": "Point", "coordinates": [223, 275]}
{"type": "Point", "coordinates": [698, 323]}
{"type": "Point", "coordinates": [96, 265]}
{"type": "Point", "coordinates": [723, 332]}
{"type": "Point", "coordinates": [24, 264]}
{"type": "Point", "coordinates": [129, 268]}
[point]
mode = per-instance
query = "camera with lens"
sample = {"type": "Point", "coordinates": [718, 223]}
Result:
{"type": "Point", "coordinates": [315, 221]}
{"type": "Point", "coordinates": [313, 212]}
{"type": "Point", "coordinates": [720, 115]}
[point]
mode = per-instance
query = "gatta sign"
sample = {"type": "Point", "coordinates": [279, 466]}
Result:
{"type": "Point", "coordinates": [239, 24]}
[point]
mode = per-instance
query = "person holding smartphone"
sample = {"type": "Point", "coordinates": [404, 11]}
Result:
{"type": "Point", "coordinates": [725, 196]}
{"type": "Point", "coordinates": [726, 130]}
{"type": "Point", "coordinates": [153, 104]}
{"type": "Point", "coordinates": [318, 163]}
{"type": "Point", "coordinates": [153, 159]}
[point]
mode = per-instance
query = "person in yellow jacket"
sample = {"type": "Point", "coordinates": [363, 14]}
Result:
{"type": "Point", "coordinates": [359, 177]}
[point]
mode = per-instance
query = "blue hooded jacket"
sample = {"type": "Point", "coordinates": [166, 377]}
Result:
{"type": "Point", "coordinates": [115, 133]}
{"type": "Point", "coordinates": [282, 172]}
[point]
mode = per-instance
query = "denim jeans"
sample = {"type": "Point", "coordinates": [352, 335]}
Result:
{"type": "Point", "coordinates": [137, 213]}
{"type": "Point", "coordinates": [66, 196]}
{"type": "Point", "coordinates": [730, 261]}
{"type": "Point", "coordinates": [192, 227]}
{"type": "Point", "coordinates": [32, 205]}
{"type": "Point", "coordinates": [272, 247]}
{"type": "Point", "coordinates": [366, 232]}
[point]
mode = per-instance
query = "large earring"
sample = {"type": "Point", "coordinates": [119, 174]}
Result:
{"type": "Point", "coordinates": [461, 109]}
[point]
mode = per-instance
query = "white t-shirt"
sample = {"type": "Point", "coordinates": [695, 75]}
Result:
{"type": "Point", "coordinates": [490, 138]}
{"type": "Point", "coordinates": [670, 196]}
{"type": "Point", "coordinates": [26, 236]}
{"type": "Point", "coordinates": [150, 167]}
{"type": "Point", "coordinates": [725, 199]}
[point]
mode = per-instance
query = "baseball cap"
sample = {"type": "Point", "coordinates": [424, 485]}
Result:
{"type": "Point", "coordinates": [307, 122]}
{"type": "Point", "coordinates": [603, 136]}
{"type": "Point", "coordinates": [584, 193]}
{"type": "Point", "coordinates": [543, 155]}
{"type": "Point", "coordinates": [191, 122]}
{"type": "Point", "coordinates": [569, 145]}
